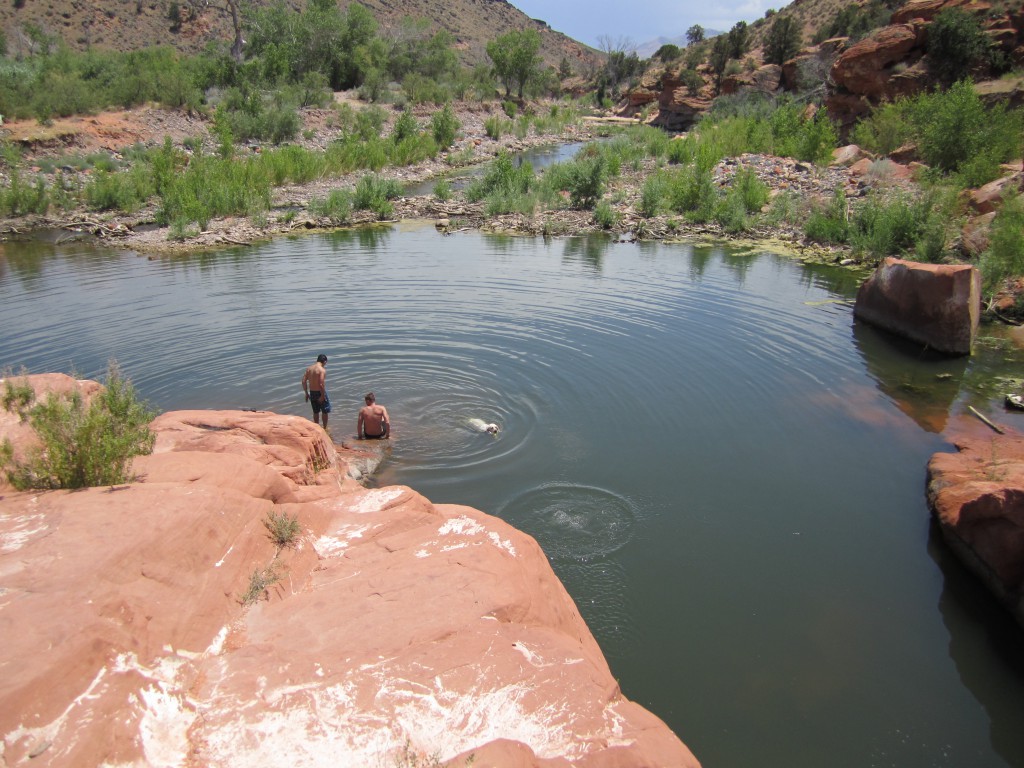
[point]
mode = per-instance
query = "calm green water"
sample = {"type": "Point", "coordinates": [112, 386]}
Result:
{"type": "Point", "coordinates": [725, 470]}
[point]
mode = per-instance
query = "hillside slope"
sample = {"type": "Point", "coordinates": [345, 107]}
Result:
{"type": "Point", "coordinates": [134, 24]}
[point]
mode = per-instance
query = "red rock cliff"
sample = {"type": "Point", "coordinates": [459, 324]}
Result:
{"type": "Point", "coordinates": [394, 629]}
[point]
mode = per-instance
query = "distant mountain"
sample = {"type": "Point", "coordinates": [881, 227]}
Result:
{"type": "Point", "coordinates": [134, 24]}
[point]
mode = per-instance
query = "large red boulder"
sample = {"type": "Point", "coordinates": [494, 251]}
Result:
{"type": "Point", "coordinates": [977, 496]}
{"type": "Point", "coordinates": [865, 68]}
{"type": "Point", "coordinates": [937, 305]}
{"type": "Point", "coordinates": [157, 623]}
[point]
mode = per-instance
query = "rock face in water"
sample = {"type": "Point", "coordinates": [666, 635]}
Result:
{"type": "Point", "coordinates": [935, 305]}
{"type": "Point", "coordinates": [977, 495]}
{"type": "Point", "coordinates": [391, 628]}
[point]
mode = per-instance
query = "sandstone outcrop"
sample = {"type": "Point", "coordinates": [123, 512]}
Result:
{"type": "Point", "coordinates": [892, 61]}
{"type": "Point", "coordinates": [935, 305]}
{"type": "Point", "coordinates": [865, 68]}
{"type": "Point", "coordinates": [977, 497]}
{"type": "Point", "coordinates": [390, 629]}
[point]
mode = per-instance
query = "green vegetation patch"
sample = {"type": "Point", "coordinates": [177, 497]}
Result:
{"type": "Point", "coordinates": [84, 445]}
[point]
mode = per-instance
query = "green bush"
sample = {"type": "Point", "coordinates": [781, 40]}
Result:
{"type": "Point", "coordinates": [586, 181]}
{"type": "Point", "coordinates": [85, 445]}
{"type": "Point", "coordinates": [405, 127]}
{"type": "Point", "coordinates": [17, 397]}
{"type": "Point", "coordinates": [445, 126]}
{"type": "Point", "coordinates": [752, 192]}
{"type": "Point", "coordinates": [1005, 255]}
{"type": "Point", "coordinates": [112, 192]}
{"type": "Point", "coordinates": [605, 216]}
{"type": "Point", "coordinates": [495, 126]}
{"type": "Point", "coordinates": [652, 195]}
{"type": "Point", "coordinates": [956, 44]}
{"type": "Point", "coordinates": [337, 206]}
{"type": "Point", "coordinates": [885, 130]}
{"type": "Point", "coordinates": [692, 191]}
{"type": "Point", "coordinates": [958, 134]}
{"type": "Point", "coordinates": [213, 187]}
{"type": "Point", "coordinates": [19, 198]}
{"type": "Point", "coordinates": [830, 225]}
{"type": "Point", "coordinates": [503, 177]}
{"type": "Point", "coordinates": [443, 190]}
{"type": "Point", "coordinates": [375, 194]}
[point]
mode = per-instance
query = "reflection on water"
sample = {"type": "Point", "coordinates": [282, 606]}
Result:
{"type": "Point", "coordinates": [973, 617]}
{"type": "Point", "coordinates": [725, 471]}
{"type": "Point", "coordinates": [925, 391]}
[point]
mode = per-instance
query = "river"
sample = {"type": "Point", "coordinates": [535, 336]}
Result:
{"type": "Point", "coordinates": [724, 468]}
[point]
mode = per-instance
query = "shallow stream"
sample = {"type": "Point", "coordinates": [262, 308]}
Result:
{"type": "Point", "coordinates": [726, 471]}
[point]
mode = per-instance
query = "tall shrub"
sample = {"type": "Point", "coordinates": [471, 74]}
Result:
{"type": "Point", "coordinates": [85, 445]}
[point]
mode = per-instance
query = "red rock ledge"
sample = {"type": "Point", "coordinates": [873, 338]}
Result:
{"type": "Point", "coordinates": [977, 496]}
{"type": "Point", "coordinates": [400, 631]}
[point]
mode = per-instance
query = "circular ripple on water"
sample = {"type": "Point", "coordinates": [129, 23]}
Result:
{"type": "Point", "coordinates": [572, 522]}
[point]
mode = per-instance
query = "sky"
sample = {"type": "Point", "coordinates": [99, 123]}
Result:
{"type": "Point", "coordinates": [641, 20]}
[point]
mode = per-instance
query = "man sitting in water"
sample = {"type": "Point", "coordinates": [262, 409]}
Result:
{"type": "Point", "coordinates": [374, 423]}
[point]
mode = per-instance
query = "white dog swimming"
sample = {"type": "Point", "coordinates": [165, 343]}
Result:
{"type": "Point", "coordinates": [482, 426]}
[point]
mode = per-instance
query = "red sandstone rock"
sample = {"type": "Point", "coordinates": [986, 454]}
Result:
{"type": "Point", "coordinates": [395, 622]}
{"type": "Point", "coordinates": [864, 67]}
{"type": "Point", "coordinates": [935, 305]}
{"type": "Point", "coordinates": [990, 197]}
{"type": "Point", "coordinates": [974, 237]}
{"type": "Point", "coordinates": [977, 496]}
{"type": "Point", "coordinates": [846, 108]}
{"type": "Point", "coordinates": [848, 155]}
{"type": "Point", "coordinates": [927, 10]}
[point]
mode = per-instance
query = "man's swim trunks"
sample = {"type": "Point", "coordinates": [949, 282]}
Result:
{"type": "Point", "coordinates": [319, 401]}
{"type": "Point", "coordinates": [375, 437]}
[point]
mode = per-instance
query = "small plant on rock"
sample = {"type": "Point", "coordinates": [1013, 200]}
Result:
{"type": "Point", "coordinates": [282, 529]}
{"type": "Point", "coordinates": [260, 580]}
{"type": "Point", "coordinates": [17, 397]}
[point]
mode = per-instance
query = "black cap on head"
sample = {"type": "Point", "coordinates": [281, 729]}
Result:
{"type": "Point", "coordinates": [321, 358]}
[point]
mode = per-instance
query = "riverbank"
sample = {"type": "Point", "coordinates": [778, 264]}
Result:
{"type": "Point", "coordinates": [793, 188]}
{"type": "Point", "coordinates": [289, 212]}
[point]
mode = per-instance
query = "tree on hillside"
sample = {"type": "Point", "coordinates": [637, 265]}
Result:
{"type": "Point", "coordinates": [342, 46]}
{"type": "Point", "coordinates": [719, 58]}
{"type": "Point", "coordinates": [956, 44]}
{"type": "Point", "coordinates": [739, 40]}
{"type": "Point", "coordinates": [694, 34]}
{"type": "Point", "coordinates": [668, 52]}
{"type": "Point", "coordinates": [515, 58]}
{"type": "Point", "coordinates": [234, 9]}
{"type": "Point", "coordinates": [784, 40]}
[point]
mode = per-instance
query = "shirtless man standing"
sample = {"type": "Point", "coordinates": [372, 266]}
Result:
{"type": "Point", "coordinates": [314, 384]}
{"type": "Point", "coordinates": [374, 423]}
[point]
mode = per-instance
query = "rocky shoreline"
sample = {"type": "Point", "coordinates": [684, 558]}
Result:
{"type": "Point", "coordinates": [161, 623]}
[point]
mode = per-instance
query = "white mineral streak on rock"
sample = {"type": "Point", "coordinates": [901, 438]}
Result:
{"type": "Point", "coordinates": [465, 526]}
{"type": "Point", "coordinates": [447, 723]}
{"type": "Point", "coordinates": [164, 727]}
{"type": "Point", "coordinates": [375, 500]}
{"type": "Point", "coordinates": [220, 562]}
{"type": "Point", "coordinates": [49, 732]}
{"type": "Point", "coordinates": [308, 727]}
{"type": "Point", "coordinates": [335, 545]}
{"type": "Point", "coordinates": [217, 646]}
{"type": "Point", "coordinates": [22, 530]}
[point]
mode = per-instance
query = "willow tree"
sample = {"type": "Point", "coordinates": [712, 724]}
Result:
{"type": "Point", "coordinates": [516, 59]}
